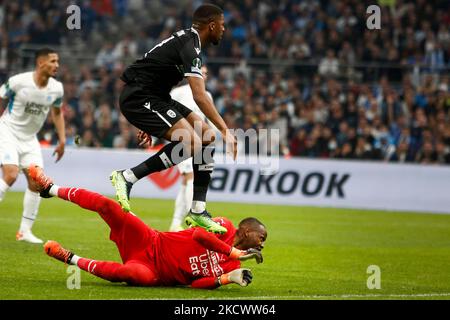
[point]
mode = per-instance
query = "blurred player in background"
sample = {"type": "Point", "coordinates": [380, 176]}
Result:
{"type": "Point", "coordinates": [191, 257]}
{"type": "Point", "coordinates": [183, 94]}
{"type": "Point", "coordinates": [146, 103]}
{"type": "Point", "coordinates": [31, 96]}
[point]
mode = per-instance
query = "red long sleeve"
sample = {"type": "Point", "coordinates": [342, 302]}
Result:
{"type": "Point", "coordinates": [210, 241]}
{"type": "Point", "coordinates": [205, 283]}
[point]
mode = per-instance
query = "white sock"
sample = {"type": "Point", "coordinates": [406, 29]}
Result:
{"type": "Point", "coordinates": [129, 176]}
{"type": "Point", "coordinates": [31, 202]}
{"type": "Point", "coordinates": [54, 190]}
{"type": "Point", "coordinates": [189, 193]}
{"type": "Point", "coordinates": [74, 260]}
{"type": "Point", "coordinates": [198, 206]}
{"type": "Point", "coordinates": [3, 188]}
{"type": "Point", "coordinates": [180, 208]}
{"type": "Point", "coordinates": [184, 198]}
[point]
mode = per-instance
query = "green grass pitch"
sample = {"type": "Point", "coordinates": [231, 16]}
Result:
{"type": "Point", "coordinates": [310, 253]}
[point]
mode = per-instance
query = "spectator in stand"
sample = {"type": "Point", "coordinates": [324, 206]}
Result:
{"type": "Point", "coordinates": [106, 57]}
{"type": "Point", "coordinates": [329, 65]}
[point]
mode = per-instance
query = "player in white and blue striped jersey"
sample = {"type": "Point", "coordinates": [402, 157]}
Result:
{"type": "Point", "coordinates": [30, 96]}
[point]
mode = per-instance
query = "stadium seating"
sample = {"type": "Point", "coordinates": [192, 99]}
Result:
{"type": "Point", "coordinates": [311, 69]}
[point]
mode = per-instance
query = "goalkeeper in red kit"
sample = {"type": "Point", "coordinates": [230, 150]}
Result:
{"type": "Point", "coordinates": [191, 257]}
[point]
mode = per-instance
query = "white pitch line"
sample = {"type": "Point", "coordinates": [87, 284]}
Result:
{"type": "Point", "coordinates": [343, 296]}
{"type": "Point", "coordinates": [308, 297]}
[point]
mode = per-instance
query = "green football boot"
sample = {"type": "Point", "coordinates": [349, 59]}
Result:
{"type": "Point", "coordinates": [123, 188]}
{"type": "Point", "coordinates": [203, 220]}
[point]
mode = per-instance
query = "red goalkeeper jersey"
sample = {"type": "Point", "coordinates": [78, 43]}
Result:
{"type": "Point", "coordinates": [182, 257]}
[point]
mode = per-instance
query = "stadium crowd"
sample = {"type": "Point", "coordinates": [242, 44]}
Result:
{"type": "Point", "coordinates": [311, 69]}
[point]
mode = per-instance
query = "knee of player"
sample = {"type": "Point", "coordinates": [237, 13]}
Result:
{"type": "Point", "coordinates": [10, 179]}
{"type": "Point", "coordinates": [126, 274]}
{"type": "Point", "coordinates": [10, 176]}
{"type": "Point", "coordinates": [107, 205]}
{"type": "Point", "coordinates": [139, 275]}
{"type": "Point", "coordinates": [209, 137]}
{"type": "Point", "coordinates": [104, 205]}
{"type": "Point", "coordinates": [33, 187]}
{"type": "Point", "coordinates": [187, 177]}
{"type": "Point", "coordinates": [196, 144]}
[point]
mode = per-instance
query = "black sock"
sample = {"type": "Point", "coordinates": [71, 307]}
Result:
{"type": "Point", "coordinates": [203, 166]}
{"type": "Point", "coordinates": [162, 160]}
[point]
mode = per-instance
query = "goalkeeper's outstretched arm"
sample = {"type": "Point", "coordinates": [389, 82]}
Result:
{"type": "Point", "coordinates": [242, 277]}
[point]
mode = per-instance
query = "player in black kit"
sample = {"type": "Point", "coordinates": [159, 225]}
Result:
{"type": "Point", "coordinates": [146, 103]}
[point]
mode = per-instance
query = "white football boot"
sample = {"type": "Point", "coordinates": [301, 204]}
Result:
{"type": "Point", "coordinates": [27, 236]}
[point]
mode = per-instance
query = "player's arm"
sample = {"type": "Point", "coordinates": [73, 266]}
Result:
{"type": "Point", "coordinates": [209, 122]}
{"type": "Point", "coordinates": [6, 92]}
{"type": "Point", "coordinates": [242, 277]}
{"type": "Point", "coordinates": [211, 242]}
{"type": "Point", "coordinates": [58, 120]}
{"type": "Point", "coordinates": [205, 283]}
{"type": "Point", "coordinates": [2, 105]}
{"type": "Point", "coordinates": [206, 105]}
{"type": "Point", "coordinates": [192, 62]}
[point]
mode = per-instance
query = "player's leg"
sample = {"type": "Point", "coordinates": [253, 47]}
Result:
{"type": "Point", "coordinates": [203, 165]}
{"type": "Point", "coordinates": [31, 203]}
{"type": "Point", "coordinates": [108, 209]}
{"type": "Point", "coordinates": [4, 186]}
{"type": "Point", "coordinates": [183, 143]}
{"type": "Point", "coordinates": [132, 272]}
{"type": "Point", "coordinates": [131, 235]}
{"type": "Point", "coordinates": [202, 162]}
{"type": "Point", "coordinates": [171, 154]}
{"type": "Point", "coordinates": [184, 197]}
{"type": "Point", "coordinates": [9, 176]}
{"type": "Point", "coordinates": [9, 160]}
{"type": "Point", "coordinates": [161, 119]}
{"type": "Point", "coordinates": [29, 153]}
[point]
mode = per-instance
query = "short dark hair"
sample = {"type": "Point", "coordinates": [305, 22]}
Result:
{"type": "Point", "coordinates": [251, 222]}
{"type": "Point", "coordinates": [206, 13]}
{"type": "Point", "coordinates": [43, 52]}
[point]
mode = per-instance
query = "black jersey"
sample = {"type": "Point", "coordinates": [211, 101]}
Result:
{"type": "Point", "coordinates": [167, 63]}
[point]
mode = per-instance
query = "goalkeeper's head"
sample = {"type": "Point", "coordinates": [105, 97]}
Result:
{"type": "Point", "coordinates": [251, 233]}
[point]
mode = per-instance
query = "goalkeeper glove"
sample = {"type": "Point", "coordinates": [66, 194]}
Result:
{"type": "Point", "coordinates": [244, 255]}
{"type": "Point", "coordinates": [242, 277]}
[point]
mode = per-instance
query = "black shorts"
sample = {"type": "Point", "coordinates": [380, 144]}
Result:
{"type": "Point", "coordinates": [151, 114]}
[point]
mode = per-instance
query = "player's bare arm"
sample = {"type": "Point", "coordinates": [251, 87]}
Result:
{"type": "Point", "coordinates": [205, 104]}
{"type": "Point", "coordinates": [144, 138]}
{"type": "Point", "coordinates": [58, 120]}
